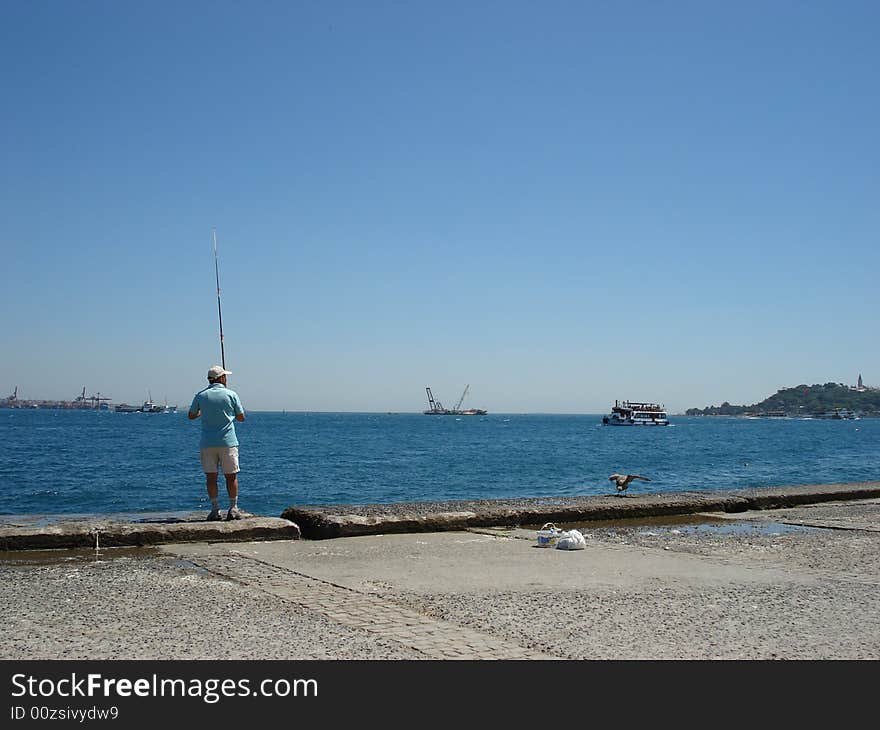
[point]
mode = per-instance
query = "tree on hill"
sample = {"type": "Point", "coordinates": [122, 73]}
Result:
{"type": "Point", "coordinates": [802, 400]}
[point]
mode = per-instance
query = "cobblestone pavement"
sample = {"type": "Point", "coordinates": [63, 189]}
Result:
{"type": "Point", "coordinates": [798, 583]}
{"type": "Point", "coordinates": [435, 638]}
{"type": "Point", "coordinates": [757, 585]}
{"type": "Point", "coordinates": [140, 605]}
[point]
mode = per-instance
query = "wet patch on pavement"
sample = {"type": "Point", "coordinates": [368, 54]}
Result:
{"type": "Point", "coordinates": [701, 525]}
{"type": "Point", "coordinates": [771, 529]}
{"type": "Point", "coordinates": [47, 558]}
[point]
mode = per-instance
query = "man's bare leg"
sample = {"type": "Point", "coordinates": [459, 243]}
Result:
{"type": "Point", "coordinates": [211, 483]}
{"type": "Point", "coordinates": [232, 491]}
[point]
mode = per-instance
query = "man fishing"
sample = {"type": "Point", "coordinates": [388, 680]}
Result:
{"type": "Point", "coordinates": [219, 408]}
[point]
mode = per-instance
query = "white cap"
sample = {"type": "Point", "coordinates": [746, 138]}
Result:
{"type": "Point", "coordinates": [216, 372]}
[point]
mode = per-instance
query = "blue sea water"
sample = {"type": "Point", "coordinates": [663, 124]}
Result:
{"type": "Point", "coordinates": [55, 461]}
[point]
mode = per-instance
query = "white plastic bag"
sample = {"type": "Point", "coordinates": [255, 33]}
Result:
{"type": "Point", "coordinates": [571, 540]}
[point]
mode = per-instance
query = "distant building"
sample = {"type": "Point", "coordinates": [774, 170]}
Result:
{"type": "Point", "coordinates": [860, 387]}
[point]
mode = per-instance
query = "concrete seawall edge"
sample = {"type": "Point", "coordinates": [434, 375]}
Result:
{"type": "Point", "coordinates": [335, 521]}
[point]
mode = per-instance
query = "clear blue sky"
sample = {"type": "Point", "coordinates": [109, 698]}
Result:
{"type": "Point", "coordinates": [560, 203]}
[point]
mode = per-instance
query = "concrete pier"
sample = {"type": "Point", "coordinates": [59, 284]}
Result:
{"type": "Point", "coordinates": [36, 532]}
{"type": "Point", "coordinates": [798, 582]}
{"type": "Point", "coordinates": [322, 522]}
{"type": "Point", "coordinates": [39, 532]}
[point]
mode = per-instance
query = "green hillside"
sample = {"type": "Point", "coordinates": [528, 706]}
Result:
{"type": "Point", "coordinates": [803, 400]}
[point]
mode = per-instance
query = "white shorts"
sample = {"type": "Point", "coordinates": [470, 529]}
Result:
{"type": "Point", "coordinates": [225, 457]}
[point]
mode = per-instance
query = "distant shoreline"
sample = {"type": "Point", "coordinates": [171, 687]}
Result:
{"type": "Point", "coordinates": [872, 414]}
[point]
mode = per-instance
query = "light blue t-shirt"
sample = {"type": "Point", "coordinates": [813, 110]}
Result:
{"type": "Point", "coordinates": [219, 406]}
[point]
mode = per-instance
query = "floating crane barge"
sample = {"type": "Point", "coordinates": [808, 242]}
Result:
{"type": "Point", "coordinates": [435, 407]}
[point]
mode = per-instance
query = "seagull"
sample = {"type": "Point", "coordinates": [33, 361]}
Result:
{"type": "Point", "coordinates": [623, 480]}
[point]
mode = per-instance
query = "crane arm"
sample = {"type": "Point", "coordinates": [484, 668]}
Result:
{"type": "Point", "coordinates": [461, 400]}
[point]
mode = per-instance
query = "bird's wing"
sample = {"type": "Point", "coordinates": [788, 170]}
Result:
{"type": "Point", "coordinates": [615, 476]}
{"type": "Point", "coordinates": [639, 476]}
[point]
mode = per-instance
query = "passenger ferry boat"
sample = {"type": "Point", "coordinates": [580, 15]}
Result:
{"type": "Point", "coordinates": [838, 414]}
{"type": "Point", "coordinates": [631, 413]}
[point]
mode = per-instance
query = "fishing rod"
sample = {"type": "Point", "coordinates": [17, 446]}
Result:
{"type": "Point", "coordinates": [219, 310]}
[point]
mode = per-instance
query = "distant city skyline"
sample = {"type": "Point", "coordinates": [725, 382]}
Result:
{"type": "Point", "coordinates": [94, 400]}
{"type": "Point", "coordinates": [559, 204]}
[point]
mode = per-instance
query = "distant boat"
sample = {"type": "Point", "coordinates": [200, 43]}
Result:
{"type": "Point", "coordinates": [838, 414]}
{"type": "Point", "coordinates": [632, 413]}
{"type": "Point", "coordinates": [147, 407]}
